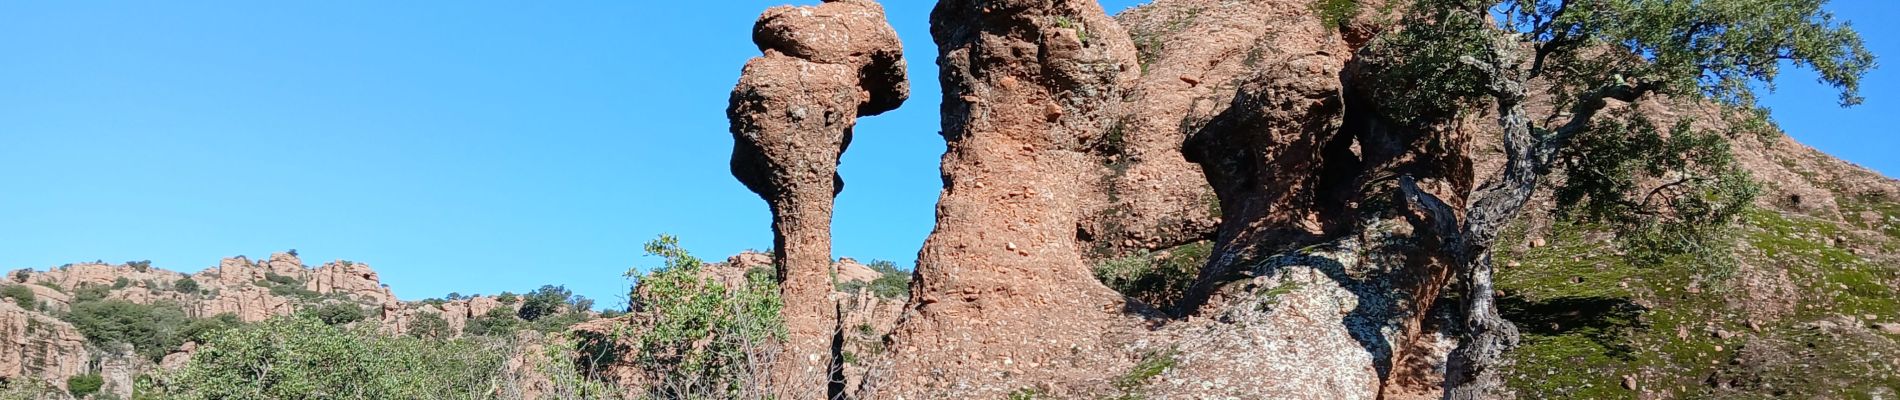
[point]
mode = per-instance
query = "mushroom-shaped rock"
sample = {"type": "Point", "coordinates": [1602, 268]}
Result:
{"type": "Point", "coordinates": [792, 115]}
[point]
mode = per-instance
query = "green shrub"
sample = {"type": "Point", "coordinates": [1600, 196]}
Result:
{"type": "Point", "coordinates": [140, 266]}
{"type": "Point", "coordinates": [201, 330]}
{"type": "Point", "coordinates": [83, 385]}
{"type": "Point", "coordinates": [186, 285]}
{"type": "Point", "coordinates": [281, 280]}
{"type": "Point", "coordinates": [547, 300]}
{"type": "Point", "coordinates": [1159, 280]}
{"type": "Point", "coordinates": [891, 282]}
{"type": "Point", "coordinates": [497, 322]}
{"type": "Point", "coordinates": [21, 295]}
{"type": "Point", "coordinates": [121, 283]}
{"type": "Point", "coordinates": [337, 313]}
{"type": "Point", "coordinates": [90, 292]}
{"type": "Point", "coordinates": [701, 330]}
{"type": "Point", "coordinates": [151, 329]}
{"type": "Point", "coordinates": [303, 358]}
{"type": "Point", "coordinates": [428, 325]}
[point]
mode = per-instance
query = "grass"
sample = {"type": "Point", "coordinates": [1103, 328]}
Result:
{"type": "Point", "coordinates": [1590, 317]}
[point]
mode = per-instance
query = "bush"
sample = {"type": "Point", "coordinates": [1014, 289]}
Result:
{"type": "Point", "coordinates": [548, 300]}
{"type": "Point", "coordinates": [303, 358]}
{"type": "Point", "coordinates": [186, 285]}
{"type": "Point", "coordinates": [83, 385]}
{"type": "Point", "coordinates": [337, 313]}
{"type": "Point", "coordinates": [121, 283]}
{"type": "Point", "coordinates": [1157, 279]}
{"type": "Point", "coordinates": [151, 329]}
{"type": "Point", "coordinates": [21, 295]}
{"type": "Point", "coordinates": [497, 322]}
{"type": "Point", "coordinates": [140, 266]}
{"type": "Point", "coordinates": [891, 282]}
{"type": "Point", "coordinates": [281, 280]}
{"type": "Point", "coordinates": [90, 292]}
{"type": "Point", "coordinates": [428, 325]}
{"type": "Point", "coordinates": [702, 333]}
{"type": "Point", "coordinates": [201, 330]}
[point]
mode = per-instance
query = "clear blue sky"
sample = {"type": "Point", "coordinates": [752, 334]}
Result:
{"type": "Point", "coordinates": [480, 146]}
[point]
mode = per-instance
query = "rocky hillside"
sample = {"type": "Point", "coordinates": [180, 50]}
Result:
{"type": "Point", "coordinates": [40, 313]}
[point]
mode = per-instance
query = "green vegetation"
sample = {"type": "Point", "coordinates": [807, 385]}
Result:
{"type": "Point", "coordinates": [1159, 279]}
{"type": "Point", "coordinates": [186, 285]}
{"type": "Point", "coordinates": [21, 295]}
{"type": "Point", "coordinates": [1591, 317]}
{"type": "Point", "coordinates": [1152, 365]}
{"type": "Point", "coordinates": [697, 345]}
{"type": "Point", "coordinates": [303, 358]}
{"type": "Point", "coordinates": [1336, 12]}
{"type": "Point", "coordinates": [151, 329]}
{"type": "Point", "coordinates": [891, 283]}
{"type": "Point", "coordinates": [496, 322]}
{"type": "Point", "coordinates": [550, 300]}
{"type": "Point", "coordinates": [140, 266]}
{"type": "Point", "coordinates": [428, 325]}
{"type": "Point", "coordinates": [337, 313]}
{"type": "Point", "coordinates": [83, 385]}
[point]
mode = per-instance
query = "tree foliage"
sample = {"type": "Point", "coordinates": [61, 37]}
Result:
{"type": "Point", "coordinates": [891, 282]}
{"type": "Point", "coordinates": [304, 358]}
{"type": "Point", "coordinates": [151, 329]}
{"type": "Point", "coordinates": [704, 339]}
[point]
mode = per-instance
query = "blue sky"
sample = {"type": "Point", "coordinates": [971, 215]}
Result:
{"type": "Point", "coordinates": [477, 147]}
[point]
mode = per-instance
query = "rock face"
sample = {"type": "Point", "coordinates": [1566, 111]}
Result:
{"type": "Point", "coordinates": [792, 115]}
{"type": "Point", "coordinates": [1003, 300]}
{"type": "Point", "coordinates": [39, 347]}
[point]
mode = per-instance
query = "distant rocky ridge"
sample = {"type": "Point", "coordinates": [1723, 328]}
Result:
{"type": "Point", "coordinates": [41, 346]}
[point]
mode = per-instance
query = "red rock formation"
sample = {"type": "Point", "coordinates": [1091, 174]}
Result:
{"type": "Point", "coordinates": [37, 346]}
{"type": "Point", "coordinates": [792, 116]}
{"type": "Point", "coordinates": [1003, 300]}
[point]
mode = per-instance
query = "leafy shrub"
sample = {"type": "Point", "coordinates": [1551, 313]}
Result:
{"type": "Point", "coordinates": [83, 385]}
{"type": "Point", "coordinates": [507, 298]}
{"type": "Point", "coordinates": [547, 300]}
{"type": "Point", "coordinates": [281, 280]}
{"type": "Point", "coordinates": [337, 313]}
{"type": "Point", "coordinates": [203, 329]}
{"type": "Point", "coordinates": [303, 358]}
{"type": "Point", "coordinates": [497, 322]}
{"type": "Point", "coordinates": [704, 336]}
{"type": "Point", "coordinates": [428, 325]}
{"type": "Point", "coordinates": [151, 329]}
{"type": "Point", "coordinates": [186, 285]}
{"type": "Point", "coordinates": [140, 266]}
{"type": "Point", "coordinates": [90, 292]}
{"type": "Point", "coordinates": [21, 295]}
{"type": "Point", "coordinates": [1157, 279]}
{"type": "Point", "coordinates": [891, 282]}
{"type": "Point", "coordinates": [121, 283]}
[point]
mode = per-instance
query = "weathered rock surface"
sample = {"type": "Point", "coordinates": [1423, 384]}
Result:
{"type": "Point", "coordinates": [1003, 300]}
{"type": "Point", "coordinates": [792, 116]}
{"type": "Point", "coordinates": [37, 346]}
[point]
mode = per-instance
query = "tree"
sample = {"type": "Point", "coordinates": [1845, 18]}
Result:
{"type": "Point", "coordinates": [151, 329]}
{"type": "Point", "coordinates": [498, 321]}
{"type": "Point", "coordinates": [303, 358]}
{"type": "Point", "coordinates": [21, 295]}
{"type": "Point", "coordinates": [428, 325]}
{"type": "Point", "coordinates": [705, 338]}
{"type": "Point", "coordinates": [338, 313]}
{"type": "Point", "coordinates": [1453, 56]}
{"type": "Point", "coordinates": [186, 285]}
{"type": "Point", "coordinates": [82, 385]}
{"type": "Point", "coordinates": [548, 300]}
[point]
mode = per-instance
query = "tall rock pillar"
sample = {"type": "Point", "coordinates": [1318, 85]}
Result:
{"type": "Point", "coordinates": [792, 113]}
{"type": "Point", "coordinates": [1003, 300]}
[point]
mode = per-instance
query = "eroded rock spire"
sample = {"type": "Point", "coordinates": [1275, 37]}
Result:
{"type": "Point", "coordinates": [792, 115]}
{"type": "Point", "coordinates": [1003, 300]}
